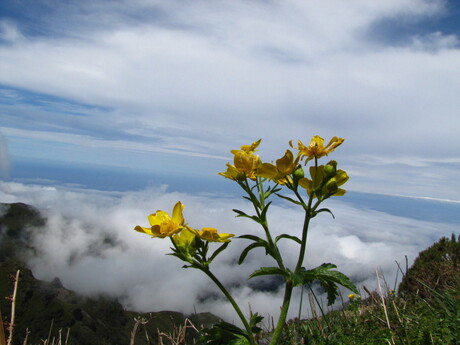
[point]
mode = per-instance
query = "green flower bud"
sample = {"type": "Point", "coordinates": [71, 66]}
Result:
{"type": "Point", "coordinates": [298, 173]}
{"type": "Point", "coordinates": [331, 186]}
{"type": "Point", "coordinates": [330, 169]}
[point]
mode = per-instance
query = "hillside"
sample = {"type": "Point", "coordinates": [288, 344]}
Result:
{"type": "Point", "coordinates": [44, 307]}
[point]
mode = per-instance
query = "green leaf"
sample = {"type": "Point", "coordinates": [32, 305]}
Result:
{"type": "Point", "coordinates": [223, 333]}
{"type": "Point", "coordinates": [264, 211]}
{"type": "Point", "coordinates": [326, 210]}
{"type": "Point", "coordinates": [271, 191]}
{"type": "Point", "coordinates": [270, 271]}
{"type": "Point", "coordinates": [254, 321]}
{"type": "Point", "coordinates": [328, 278]}
{"type": "Point", "coordinates": [246, 250]}
{"type": "Point", "coordinates": [259, 242]}
{"type": "Point", "coordinates": [290, 199]}
{"type": "Point", "coordinates": [252, 237]}
{"type": "Point", "coordinates": [290, 237]}
{"type": "Point", "coordinates": [252, 199]}
{"type": "Point", "coordinates": [242, 214]}
{"type": "Point", "coordinates": [218, 251]}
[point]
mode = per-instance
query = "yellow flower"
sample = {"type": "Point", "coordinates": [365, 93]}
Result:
{"type": "Point", "coordinates": [232, 173]}
{"type": "Point", "coordinates": [322, 185]}
{"type": "Point", "coordinates": [353, 296]}
{"type": "Point", "coordinates": [245, 162]}
{"type": "Point", "coordinates": [211, 235]}
{"type": "Point", "coordinates": [316, 148]}
{"type": "Point", "coordinates": [162, 225]}
{"type": "Point", "coordinates": [279, 173]}
{"type": "Point", "coordinates": [248, 148]}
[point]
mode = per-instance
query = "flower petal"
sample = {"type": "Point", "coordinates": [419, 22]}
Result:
{"type": "Point", "coordinates": [148, 231]}
{"type": "Point", "coordinates": [177, 213]}
{"type": "Point", "coordinates": [286, 163]}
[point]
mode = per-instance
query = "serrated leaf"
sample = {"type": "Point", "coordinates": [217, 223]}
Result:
{"type": "Point", "coordinates": [328, 278]}
{"type": "Point", "coordinates": [290, 237]}
{"type": "Point", "coordinates": [253, 321]}
{"type": "Point", "coordinates": [223, 333]}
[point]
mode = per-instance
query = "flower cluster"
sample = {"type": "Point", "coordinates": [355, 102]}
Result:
{"type": "Point", "coordinates": [324, 180]}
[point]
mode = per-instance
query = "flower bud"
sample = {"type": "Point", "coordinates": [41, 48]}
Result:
{"type": "Point", "coordinates": [298, 173]}
{"type": "Point", "coordinates": [330, 169]}
{"type": "Point", "coordinates": [331, 186]}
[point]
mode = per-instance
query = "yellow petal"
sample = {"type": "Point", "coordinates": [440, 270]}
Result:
{"type": "Point", "coordinates": [341, 177]}
{"type": "Point", "coordinates": [285, 163]}
{"type": "Point", "coordinates": [267, 170]}
{"type": "Point", "coordinates": [305, 183]}
{"type": "Point", "coordinates": [333, 143]}
{"type": "Point", "coordinates": [248, 148]}
{"type": "Point", "coordinates": [177, 213]}
{"type": "Point", "coordinates": [316, 141]}
{"type": "Point", "coordinates": [340, 192]}
{"type": "Point", "coordinates": [158, 217]}
{"type": "Point", "coordinates": [144, 230]}
{"type": "Point", "coordinates": [317, 175]}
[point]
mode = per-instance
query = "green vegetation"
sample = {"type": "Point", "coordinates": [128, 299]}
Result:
{"type": "Point", "coordinates": [425, 311]}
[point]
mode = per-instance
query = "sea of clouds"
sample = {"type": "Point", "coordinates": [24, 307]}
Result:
{"type": "Point", "coordinates": [90, 244]}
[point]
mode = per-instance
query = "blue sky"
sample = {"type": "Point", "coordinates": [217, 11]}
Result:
{"type": "Point", "coordinates": [125, 97]}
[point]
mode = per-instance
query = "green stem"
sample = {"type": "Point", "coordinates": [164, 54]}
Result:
{"type": "Point", "coordinates": [306, 224]}
{"type": "Point", "coordinates": [289, 284]}
{"type": "Point", "coordinates": [283, 314]}
{"type": "Point", "coordinates": [276, 252]}
{"type": "Point", "coordinates": [260, 190]}
{"type": "Point", "coordinates": [304, 236]}
{"type": "Point", "coordinates": [233, 303]}
{"type": "Point", "coordinates": [319, 305]}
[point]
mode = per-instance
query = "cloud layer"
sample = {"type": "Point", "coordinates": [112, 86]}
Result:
{"type": "Point", "coordinates": [90, 245]}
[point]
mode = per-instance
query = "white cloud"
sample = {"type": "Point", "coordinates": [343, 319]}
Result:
{"type": "Point", "coordinates": [90, 245]}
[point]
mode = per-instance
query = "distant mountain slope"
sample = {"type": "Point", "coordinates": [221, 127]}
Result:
{"type": "Point", "coordinates": [42, 306]}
